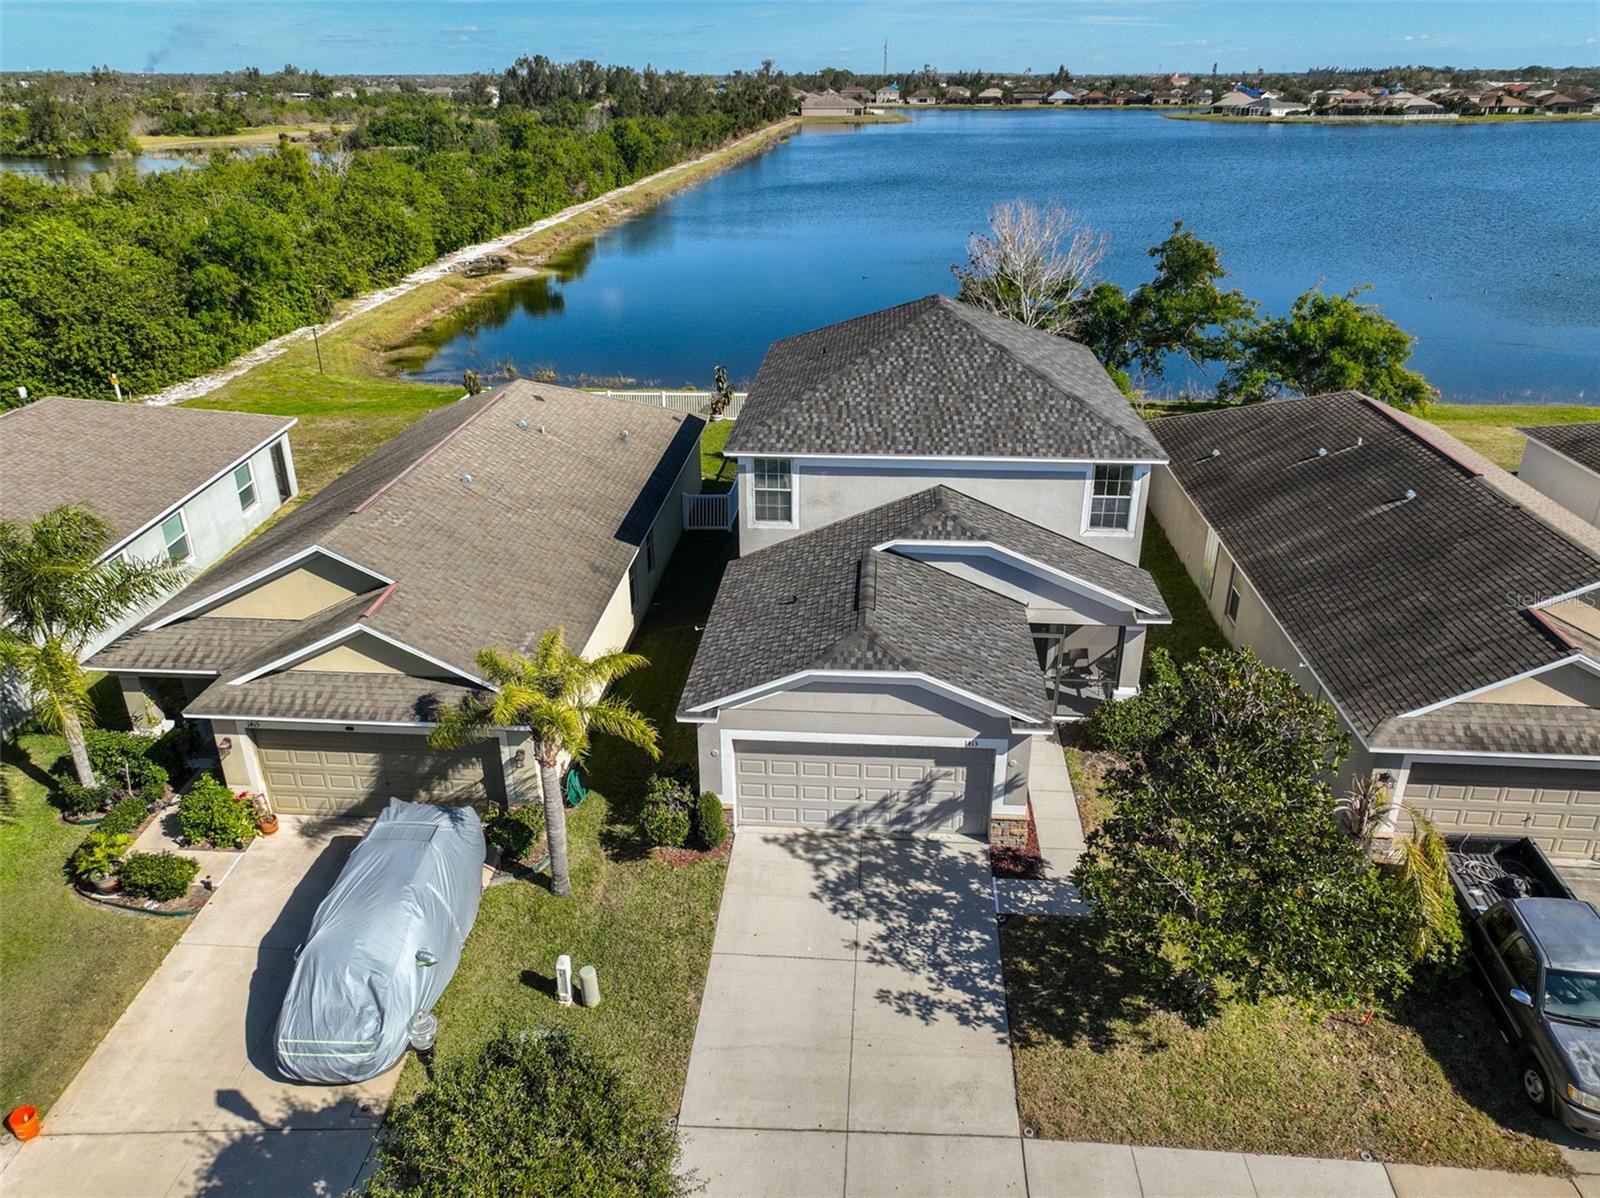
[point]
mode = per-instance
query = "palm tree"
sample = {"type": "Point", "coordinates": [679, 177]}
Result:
{"type": "Point", "coordinates": [55, 594]}
{"type": "Point", "coordinates": [559, 696]}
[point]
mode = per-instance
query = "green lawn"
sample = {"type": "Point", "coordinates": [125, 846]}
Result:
{"type": "Point", "coordinates": [1491, 429]}
{"type": "Point", "coordinates": [646, 928]}
{"type": "Point", "coordinates": [717, 472]}
{"type": "Point", "coordinates": [1096, 1059]}
{"type": "Point", "coordinates": [67, 969]}
{"type": "Point", "coordinates": [1192, 628]}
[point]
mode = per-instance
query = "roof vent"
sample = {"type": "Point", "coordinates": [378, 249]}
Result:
{"type": "Point", "coordinates": [543, 429]}
{"type": "Point", "coordinates": [1408, 496]}
{"type": "Point", "coordinates": [1216, 453]}
{"type": "Point", "coordinates": [1322, 451]}
{"type": "Point", "coordinates": [467, 478]}
{"type": "Point", "coordinates": [623, 436]}
{"type": "Point", "coordinates": [523, 425]}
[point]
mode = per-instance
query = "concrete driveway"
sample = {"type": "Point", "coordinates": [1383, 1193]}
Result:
{"type": "Point", "coordinates": [853, 1036]}
{"type": "Point", "coordinates": [181, 1097]}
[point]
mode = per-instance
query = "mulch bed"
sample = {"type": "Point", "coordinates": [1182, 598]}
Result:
{"type": "Point", "coordinates": [675, 858]}
{"type": "Point", "coordinates": [188, 905]}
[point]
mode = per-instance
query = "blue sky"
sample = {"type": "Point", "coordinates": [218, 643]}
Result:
{"type": "Point", "coordinates": [706, 35]}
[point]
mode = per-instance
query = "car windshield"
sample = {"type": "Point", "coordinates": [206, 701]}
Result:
{"type": "Point", "coordinates": [1572, 995]}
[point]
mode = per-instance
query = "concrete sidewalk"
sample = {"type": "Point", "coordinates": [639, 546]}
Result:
{"type": "Point", "coordinates": [1060, 832]}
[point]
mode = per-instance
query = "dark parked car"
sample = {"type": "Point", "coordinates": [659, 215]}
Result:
{"type": "Point", "coordinates": [1537, 948]}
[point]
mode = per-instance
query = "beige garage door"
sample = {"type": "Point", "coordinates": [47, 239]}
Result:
{"type": "Point", "coordinates": [354, 773]}
{"type": "Point", "coordinates": [1558, 808]}
{"type": "Point", "coordinates": [888, 789]}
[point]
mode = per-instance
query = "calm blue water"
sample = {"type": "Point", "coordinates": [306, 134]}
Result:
{"type": "Point", "coordinates": [64, 170]}
{"type": "Point", "coordinates": [1483, 241]}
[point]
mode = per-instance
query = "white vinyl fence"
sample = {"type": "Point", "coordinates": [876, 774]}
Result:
{"type": "Point", "coordinates": [698, 402]}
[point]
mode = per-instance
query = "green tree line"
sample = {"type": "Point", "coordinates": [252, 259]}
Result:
{"type": "Point", "coordinates": [161, 277]}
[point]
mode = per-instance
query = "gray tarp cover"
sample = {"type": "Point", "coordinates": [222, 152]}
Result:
{"type": "Point", "coordinates": [413, 883]}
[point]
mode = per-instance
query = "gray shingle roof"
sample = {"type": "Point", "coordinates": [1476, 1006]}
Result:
{"type": "Point", "coordinates": [828, 599]}
{"type": "Point", "coordinates": [327, 695]}
{"type": "Point", "coordinates": [1580, 442]}
{"type": "Point", "coordinates": [131, 462]}
{"type": "Point", "coordinates": [1396, 603]}
{"type": "Point", "coordinates": [563, 488]}
{"type": "Point", "coordinates": [938, 378]}
{"type": "Point", "coordinates": [1498, 728]}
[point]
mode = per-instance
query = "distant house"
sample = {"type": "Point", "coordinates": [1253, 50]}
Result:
{"type": "Point", "coordinates": [1027, 96]}
{"type": "Point", "coordinates": [1094, 97]}
{"type": "Point", "coordinates": [887, 95]}
{"type": "Point", "coordinates": [1355, 103]}
{"type": "Point", "coordinates": [1556, 102]}
{"type": "Point", "coordinates": [1504, 102]}
{"type": "Point", "coordinates": [1125, 98]}
{"type": "Point", "coordinates": [1237, 104]}
{"type": "Point", "coordinates": [921, 98]}
{"type": "Point", "coordinates": [831, 103]}
{"type": "Point", "coordinates": [1061, 96]}
{"type": "Point", "coordinates": [856, 92]}
{"type": "Point", "coordinates": [957, 95]}
{"type": "Point", "coordinates": [991, 95]}
{"type": "Point", "coordinates": [1166, 99]}
{"type": "Point", "coordinates": [1179, 80]}
{"type": "Point", "coordinates": [1563, 462]}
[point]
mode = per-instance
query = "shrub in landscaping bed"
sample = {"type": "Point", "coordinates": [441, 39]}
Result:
{"type": "Point", "coordinates": [122, 760]}
{"type": "Point", "coordinates": [516, 833]}
{"type": "Point", "coordinates": [76, 802]}
{"type": "Point", "coordinates": [667, 803]}
{"type": "Point", "coordinates": [211, 813]}
{"type": "Point", "coordinates": [710, 825]}
{"type": "Point", "coordinates": [126, 814]}
{"type": "Point", "coordinates": [158, 876]}
{"type": "Point", "coordinates": [100, 854]}
{"type": "Point", "coordinates": [532, 1113]}
{"type": "Point", "coordinates": [1126, 725]}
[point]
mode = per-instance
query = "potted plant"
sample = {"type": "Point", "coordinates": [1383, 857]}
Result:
{"type": "Point", "coordinates": [266, 817]}
{"type": "Point", "coordinates": [94, 863]}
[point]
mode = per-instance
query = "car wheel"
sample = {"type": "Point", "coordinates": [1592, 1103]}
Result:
{"type": "Point", "coordinates": [1537, 1089]}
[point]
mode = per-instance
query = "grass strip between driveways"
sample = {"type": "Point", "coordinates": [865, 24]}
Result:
{"type": "Point", "coordinates": [1096, 1059]}
{"type": "Point", "coordinates": [646, 927]}
{"type": "Point", "coordinates": [67, 967]}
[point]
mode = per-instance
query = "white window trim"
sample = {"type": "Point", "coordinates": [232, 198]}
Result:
{"type": "Point", "coordinates": [188, 541]}
{"type": "Point", "coordinates": [1208, 562]}
{"type": "Point", "coordinates": [794, 495]}
{"type": "Point", "coordinates": [249, 468]}
{"type": "Point", "coordinates": [1233, 589]}
{"type": "Point", "coordinates": [1133, 503]}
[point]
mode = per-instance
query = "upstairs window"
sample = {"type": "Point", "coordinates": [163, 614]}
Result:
{"type": "Point", "coordinates": [1231, 607]}
{"type": "Point", "coordinates": [245, 480]}
{"type": "Point", "coordinates": [175, 535]}
{"type": "Point", "coordinates": [773, 487]}
{"type": "Point", "coordinates": [1111, 500]}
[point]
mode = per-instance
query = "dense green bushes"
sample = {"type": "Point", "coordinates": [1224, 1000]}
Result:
{"type": "Point", "coordinates": [516, 832]}
{"type": "Point", "coordinates": [211, 813]}
{"type": "Point", "coordinates": [163, 277]}
{"type": "Point", "coordinates": [533, 1113]}
{"type": "Point", "coordinates": [710, 824]}
{"type": "Point", "coordinates": [159, 876]}
{"type": "Point", "coordinates": [665, 818]}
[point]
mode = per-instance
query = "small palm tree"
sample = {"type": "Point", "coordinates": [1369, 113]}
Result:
{"type": "Point", "coordinates": [559, 696]}
{"type": "Point", "coordinates": [55, 594]}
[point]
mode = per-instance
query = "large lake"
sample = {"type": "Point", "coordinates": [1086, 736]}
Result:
{"type": "Point", "coordinates": [1483, 241]}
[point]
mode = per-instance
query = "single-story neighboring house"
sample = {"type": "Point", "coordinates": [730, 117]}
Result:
{"type": "Point", "coordinates": [1027, 96]}
{"type": "Point", "coordinates": [941, 519]}
{"type": "Point", "coordinates": [1449, 613]}
{"type": "Point", "coordinates": [991, 95]}
{"type": "Point", "coordinates": [923, 97]}
{"type": "Point", "coordinates": [1504, 102]}
{"type": "Point", "coordinates": [1563, 462]}
{"type": "Point", "coordinates": [322, 653]}
{"type": "Point", "coordinates": [1244, 104]}
{"type": "Point", "coordinates": [831, 103]}
{"type": "Point", "coordinates": [1061, 96]}
{"type": "Point", "coordinates": [957, 95]}
{"type": "Point", "coordinates": [176, 484]}
{"type": "Point", "coordinates": [1557, 102]}
{"type": "Point", "coordinates": [1094, 97]}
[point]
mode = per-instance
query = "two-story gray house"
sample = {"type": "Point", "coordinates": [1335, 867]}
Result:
{"type": "Point", "coordinates": [941, 513]}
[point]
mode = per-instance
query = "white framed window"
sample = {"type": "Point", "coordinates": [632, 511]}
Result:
{"type": "Point", "coordinates": [1231, 607]}
{"type": "Point", "coordinates": [772, 492]}
{"type": "Point", "coordinates": [650, 551]}
{"type": "Point", "coordinates": [1111, 499]}
{"type": "Point", "coordinates": [1213, 544]}
{"type": "Point", "coordinates": [244, 479]}
{"type": "Point", "coordinates": [175, 536]}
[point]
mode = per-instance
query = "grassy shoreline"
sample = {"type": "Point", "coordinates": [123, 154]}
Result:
{"type": "Point", "coordinates": [249, 137]}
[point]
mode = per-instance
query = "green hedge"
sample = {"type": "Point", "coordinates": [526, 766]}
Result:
{"type": "Point", "coordinates": [212, 813]}
{"type": "Point", "coordinates": [158, 876]}
{"type": "Point", "coordinates": [665, 818]}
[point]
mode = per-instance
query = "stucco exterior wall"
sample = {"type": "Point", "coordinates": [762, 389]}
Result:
{"type": "Point", "coordinates": [215, 523]}
{"type": "Point", "coordinates": [1052, 495]}
{"type": "Point", "coordinates": [1572, 486]}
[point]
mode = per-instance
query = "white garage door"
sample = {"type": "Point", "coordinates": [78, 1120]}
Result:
{"type": "Point", "coordinates": [888, 789]}
{"type": "Point", "coordinates": [1558, 808]}
{"type": "Point", "coordinates": [353, 773]}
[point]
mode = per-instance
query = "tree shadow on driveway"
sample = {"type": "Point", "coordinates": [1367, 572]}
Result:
{"type": "Point", "coordinates": [928, 943]}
